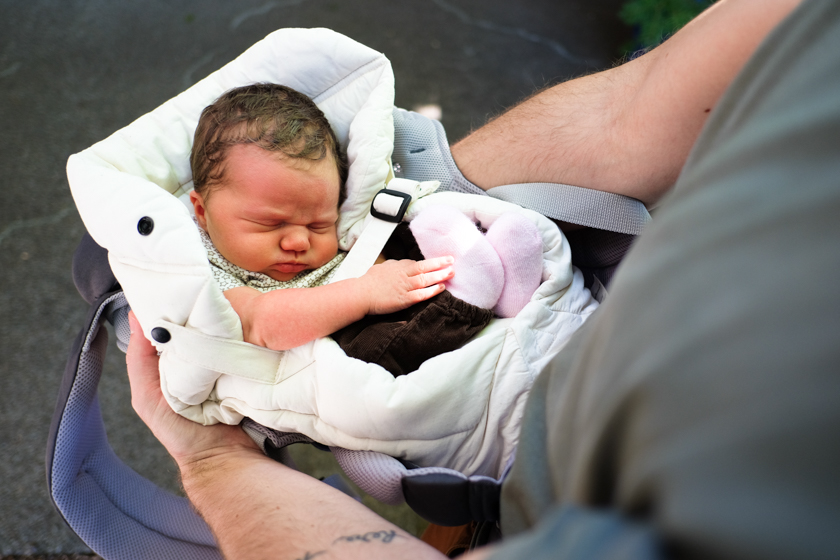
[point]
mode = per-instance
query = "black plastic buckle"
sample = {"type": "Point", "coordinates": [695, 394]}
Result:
{"type": "Point", "coordinates": [400, 213]}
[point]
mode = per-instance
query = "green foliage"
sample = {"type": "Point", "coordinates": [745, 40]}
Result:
{"type": "Point", "coordinates": [656, 20]}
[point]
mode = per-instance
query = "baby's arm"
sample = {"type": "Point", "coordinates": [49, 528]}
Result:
{"type": "Point", "coordinates": [283, 319]}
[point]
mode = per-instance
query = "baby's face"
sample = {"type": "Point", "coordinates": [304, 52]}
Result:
{"type": "Point", "coordinates": [272, 214]}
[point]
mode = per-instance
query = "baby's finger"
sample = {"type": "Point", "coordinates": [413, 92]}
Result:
{"type": "Point", "coordinates": [437, 263]}
{"type": "Point", "coordinates": [433, 277]}
{"type": "Point", "coordinates": [422, 294]}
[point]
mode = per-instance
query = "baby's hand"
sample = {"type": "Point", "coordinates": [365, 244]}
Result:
{"type": "Point", "coordinates": [395, 285]}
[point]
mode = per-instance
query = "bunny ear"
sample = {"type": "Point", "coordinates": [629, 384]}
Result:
{"type": "Point", "coordinates": [445, 231]}
{"type": "Point", "coordinates": [518, 242]}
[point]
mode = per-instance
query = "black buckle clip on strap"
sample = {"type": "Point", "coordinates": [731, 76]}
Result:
{"type": "Point", "coordinates": [400, 213]}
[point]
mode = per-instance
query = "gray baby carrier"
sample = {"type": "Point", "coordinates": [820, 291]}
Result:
{"type": "Point", "coordinates": [121, 515]}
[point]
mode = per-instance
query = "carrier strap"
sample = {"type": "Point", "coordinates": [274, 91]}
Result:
{"type": "Point", "coordinates": [386, 212]}
{"type": "Point", "coordinates": [577, 205]}
{"type": "Point", "coordinates": [421, 152]}
{"type": "Point", "coordinates": [116, 512]}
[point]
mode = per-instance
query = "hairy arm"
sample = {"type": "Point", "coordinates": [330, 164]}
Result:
{"type": "Point", "coordinates": [629, 129]}
{"type": "Point", "coordinates": [283, 319]}
{"type": "Point", "coordinates": [258, 508]}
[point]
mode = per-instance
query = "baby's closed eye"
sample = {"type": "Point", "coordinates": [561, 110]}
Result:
{"type": "Point", "coordinates": [263, 224]}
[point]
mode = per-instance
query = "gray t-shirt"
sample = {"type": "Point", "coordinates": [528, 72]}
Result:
{"type": "Point", "coordinates": [697, 413]}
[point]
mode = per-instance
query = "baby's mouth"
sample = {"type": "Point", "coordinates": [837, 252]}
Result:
{"type": "Point", "coordinates": [289, 267]}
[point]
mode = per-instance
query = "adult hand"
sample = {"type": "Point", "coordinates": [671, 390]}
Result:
{"type": "Point", "coordinates": [187, 441]}
{"type": "Point", "coordinates": [251, 502]}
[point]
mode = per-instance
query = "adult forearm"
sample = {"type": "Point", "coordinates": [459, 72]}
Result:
{"type": "Point", "coordinates": [628, 129]}
{"type": "Point", "coordinates": [258, 508]}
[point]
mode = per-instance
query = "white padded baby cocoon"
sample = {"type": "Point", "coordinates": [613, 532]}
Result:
{"type": "Point", "coordinates": [460, 409]}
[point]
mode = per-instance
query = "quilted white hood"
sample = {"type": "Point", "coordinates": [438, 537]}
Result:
{"type": "Point", "coordinates": [135, 172]}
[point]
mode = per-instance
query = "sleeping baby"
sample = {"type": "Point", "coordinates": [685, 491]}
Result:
{"type": "Point", "coordinates": [269, 180]}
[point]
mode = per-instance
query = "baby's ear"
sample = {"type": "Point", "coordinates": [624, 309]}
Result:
{"type": "Point", "coordinates": [200, 209]}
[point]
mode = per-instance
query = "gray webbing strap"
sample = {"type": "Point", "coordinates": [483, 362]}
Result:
{"type": "Point", "coordinates": [577, 205]}
{"type": "Point", "coordinates": [421, 151]}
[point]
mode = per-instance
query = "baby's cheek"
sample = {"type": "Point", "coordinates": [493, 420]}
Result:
{"type": "Point", "coordinates": [251, 251]}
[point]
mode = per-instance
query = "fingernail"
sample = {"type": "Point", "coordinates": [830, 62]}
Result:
{"type": "Point", "coordinates": [449, 260]}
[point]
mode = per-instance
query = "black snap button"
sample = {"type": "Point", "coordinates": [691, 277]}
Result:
{"type": "Point", "coordinates": [145, 225]}
{"type": "Point", "coordinates": [161, 335]}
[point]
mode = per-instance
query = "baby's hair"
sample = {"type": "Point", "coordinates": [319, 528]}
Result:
{"type": "Point", "coordinates": [275, 118]}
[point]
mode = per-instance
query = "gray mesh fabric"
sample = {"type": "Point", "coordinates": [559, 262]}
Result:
{"type": "Point", "coordinates": [597, 253]}
{"type": "Point", "coordinates": [115, 511]}
{"type": "Point", "coordinates": [381, 476]}
{"type": "Point", "coordinates": [377, 474]}
{"type": "Point", "coordinates": [260, 434]}
{"type": "Point", "coordinates": [91, 271]}
{"type": "Point", "coordinates": [598, 248]}
{"type": "Point", "coordinates": [422, 152]}
{"type": "Point", "coordinates": [118, 316]}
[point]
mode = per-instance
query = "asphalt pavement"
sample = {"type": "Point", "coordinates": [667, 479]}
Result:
{"type": "Point", "coordinates": [72, 72]}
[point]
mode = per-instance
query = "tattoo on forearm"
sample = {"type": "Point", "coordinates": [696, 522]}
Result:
{"type": "Point", "coordinates": [384, 537]}
{"type": "Point", "coordinates": [311, 555]}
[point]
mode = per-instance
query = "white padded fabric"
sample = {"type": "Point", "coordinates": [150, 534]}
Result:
{"type": "Point", "coordinates": [459, 410]}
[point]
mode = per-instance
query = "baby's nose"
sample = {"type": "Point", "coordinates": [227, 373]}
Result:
{"type": "Point", "coordinates": [296, 239]}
